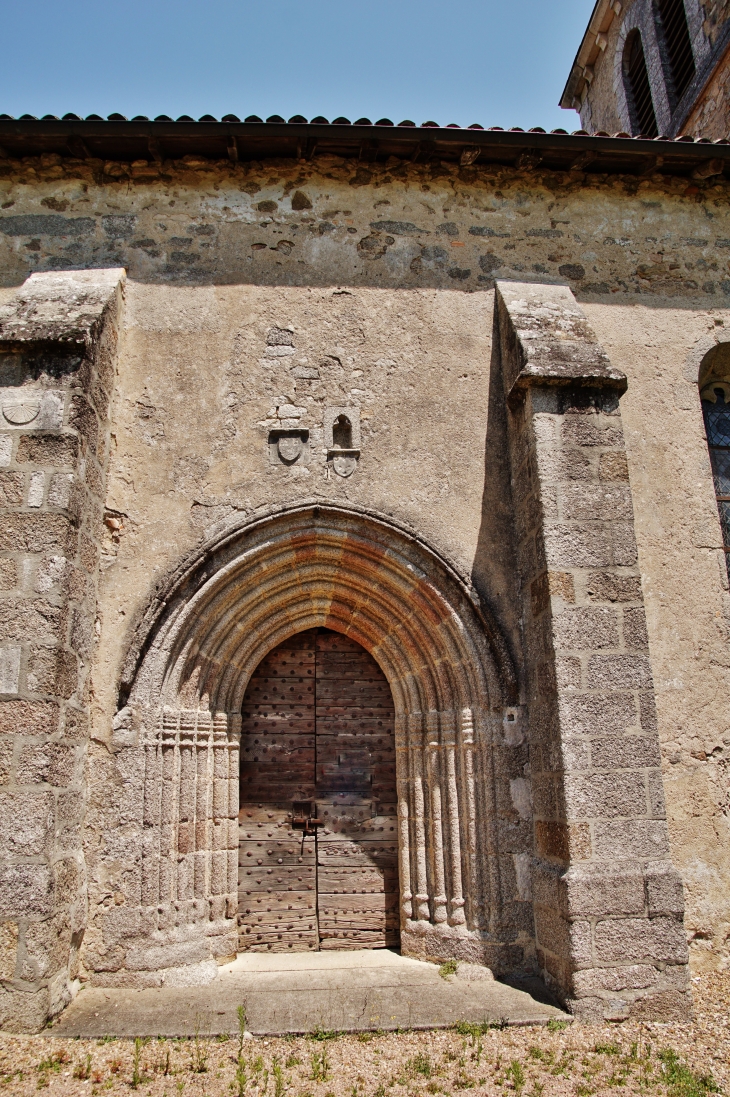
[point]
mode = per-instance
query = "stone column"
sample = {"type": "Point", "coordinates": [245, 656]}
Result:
{"type": "Point", "coordinates": [58, 345]}
{"type": "Point", "coordinates": [607, 901]}
{"type": "Point", "coordinates": [185, 924]}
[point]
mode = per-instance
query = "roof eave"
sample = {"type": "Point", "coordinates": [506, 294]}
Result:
{"type": "Point", "coordinates": [599, 22]}
{"type": "Point", "coordinates": [167, 141]}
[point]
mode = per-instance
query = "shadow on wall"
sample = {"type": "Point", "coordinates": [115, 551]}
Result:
{"type": "Point", "coordinates": [495, 576]}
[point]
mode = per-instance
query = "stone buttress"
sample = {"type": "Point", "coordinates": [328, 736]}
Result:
{"type": "Point", "coordinates": [608, 903]}
{"type": "Point", "coordinates": [58, 349]}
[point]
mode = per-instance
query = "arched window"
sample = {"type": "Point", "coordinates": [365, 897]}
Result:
{"type": "Point", "coordinates": [638, 89]}
{"type": "Point", "coordinates": [342, 433]}
{"type": "Point", "coordinates": [715, 393]}
{"type": "Point", "coordinates": [671, 20]}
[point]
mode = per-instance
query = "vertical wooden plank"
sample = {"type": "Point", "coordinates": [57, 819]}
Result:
{"type": "Point", "coordinates": [357, 857]}
{"type": "Point", "coordinates": [277, 870]}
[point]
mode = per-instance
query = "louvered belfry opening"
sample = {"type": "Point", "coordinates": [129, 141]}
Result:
{"type": "Point", "coordinates": [318, 852]}
{"type": "Point", "coordinates": [638, 89]}
{"type": "Point", "coordinates": [671, 19]}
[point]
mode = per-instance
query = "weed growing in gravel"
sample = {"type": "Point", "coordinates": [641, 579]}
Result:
{"type": "Point", "coordinates": [261, 1075]}
{"type": "Point", "coordinates": [419, 1064]}
{"type": "Point", "coordinates": [199, 1063]}
{"type": "Point", "coordinates": [320, 1065]}
{"type": "Point", "coordinates": [140, 1042]}
{"type": "Point", "coordinates": [55, 1062]}
{"type": "Point", "coordinates": [324, 1034]}
{"type": "Point", "coordinates": [241, 1076]}
{"type": "Point", "coordinates": [555, 1025]}
{"type": "Point", "coordinates": [83, 1070]}
{"type": "Point", "coordinates": [292, 1061]}
{"type": "Point", "coordinates": [563, 1065]}
{"type": "Point", "coordinates": [449, 968]}
{"type": "Point", "coordinates": [279, 1083]}
{"type": "Point", "coordinates": [52, 1065]}
{"type": "Point", "coordinates": [515, 1072]}
{"type": "Point", "coordinates": [683, 1082]}
{"type": "Point", "coordinates": [476, 1032]}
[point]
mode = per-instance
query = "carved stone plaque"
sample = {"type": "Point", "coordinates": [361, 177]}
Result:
{"type": "Point", "coordinates": [288, 447]}
{"type": "Point", "coordinates": [21, 410]}
{"type": "Point", "coordinates": [344, 461]}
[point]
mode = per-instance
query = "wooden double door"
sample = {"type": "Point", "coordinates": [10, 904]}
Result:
{"type": "Point", "coordinates": [318, 850]}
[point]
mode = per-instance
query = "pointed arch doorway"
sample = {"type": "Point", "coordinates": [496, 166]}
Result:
{"type": "Point", "coordinates": [318, 828]}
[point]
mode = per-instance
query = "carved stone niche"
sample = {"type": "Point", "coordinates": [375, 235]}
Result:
{"type": "Point", "coordinates": [342, 439]}
{"type": "Point", "coordinates": [289, 446]}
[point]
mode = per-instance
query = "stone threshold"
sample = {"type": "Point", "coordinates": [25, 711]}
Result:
{"type": "Point", "coordinates": [358, 991]}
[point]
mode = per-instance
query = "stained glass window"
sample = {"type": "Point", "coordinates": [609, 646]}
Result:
{"type": "Point", "coordinates": [716, 410]}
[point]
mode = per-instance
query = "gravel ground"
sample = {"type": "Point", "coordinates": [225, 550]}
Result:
{"type": "Point", "coordinates": [679, 1060]}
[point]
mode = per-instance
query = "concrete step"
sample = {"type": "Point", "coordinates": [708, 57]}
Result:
{"type": "Point", "coordinates": [341, 991]}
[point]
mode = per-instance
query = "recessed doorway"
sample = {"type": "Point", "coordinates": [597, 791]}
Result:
{"type": "Point", "coordinates": [318, 839]}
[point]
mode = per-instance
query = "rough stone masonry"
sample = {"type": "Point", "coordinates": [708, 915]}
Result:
{"type": "Point", "coordinates": [450, 410]}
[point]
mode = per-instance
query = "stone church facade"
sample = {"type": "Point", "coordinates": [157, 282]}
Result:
{"type": "Point", "coordinates": [362, 557]}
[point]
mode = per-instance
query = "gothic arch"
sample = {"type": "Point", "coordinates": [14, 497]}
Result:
{"type": "Point", "coordinates": [445, 661]}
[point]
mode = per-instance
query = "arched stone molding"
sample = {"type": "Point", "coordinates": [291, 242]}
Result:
{"type": "Point", "coordinates": [450, 676]}
{"type": "Point", "coordinates": [695, 359]}
{"type": "Point", "coordinates": [703, 366]}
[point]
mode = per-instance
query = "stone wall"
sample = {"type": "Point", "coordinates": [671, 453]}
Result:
{"type": "Point", "coordinates": [262, 297]}
{"type": "Point", "coordinates": [58, 345]}
{"type": "Point", "coordinates": [332, 221]}
{"type": "Point", "coordinates": [716, 14]}
{"type": "Point", "coordinates": [710, 115]}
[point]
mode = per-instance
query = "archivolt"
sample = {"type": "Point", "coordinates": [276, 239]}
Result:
{"type": "Point", "coordinates": [327, 566]}
{"type": "Point", "coordinates": [448, 670]}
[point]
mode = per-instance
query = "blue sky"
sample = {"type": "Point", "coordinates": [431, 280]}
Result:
{"type": "Point", "coordinates": [461, 61]}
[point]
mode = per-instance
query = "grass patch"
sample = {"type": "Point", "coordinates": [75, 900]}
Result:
{"type": "Point", "coordinates": [681, 1081]}
{"type": "Point", "coordinates": [516, 1074]}
{"type": "Point", "coordinates": [419, 1064]}
{"type": "Point", "coordinates": [449, 968]}
{"type": "Point", "coordinates": [55, 1062]}
{"type": "Point", "coordinates": [320, 1065]}
{"type": "Point", "coordinates": [324, 1034]}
